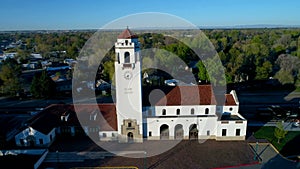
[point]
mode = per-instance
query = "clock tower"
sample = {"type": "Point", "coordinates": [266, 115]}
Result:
{"type": "Point", "coordinates": [128, 87]}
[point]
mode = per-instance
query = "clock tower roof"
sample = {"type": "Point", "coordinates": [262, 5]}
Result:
{"type": "Point", "coordinates": [127, 34]}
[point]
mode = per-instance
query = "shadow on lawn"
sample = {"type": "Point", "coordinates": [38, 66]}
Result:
{"type": "Point", "coordinates": [291, 148]}
{"type": "Point", "coordinates": [278, 162]}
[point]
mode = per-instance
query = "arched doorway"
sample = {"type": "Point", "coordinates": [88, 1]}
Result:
{"type": "Point", "coordinates": [164, 132]}
{"type": "Point", "coordinates": [193, 132]}
{"type": "Point", "coordinates": [178, 132]}
{"type": "Point", "coordinates": [130, 137]}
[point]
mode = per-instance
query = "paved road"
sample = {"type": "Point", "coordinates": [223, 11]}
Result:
{"type": "Point", "coordinates": [286, 125]}
{"type": "Point", "coordinates": [75, 156]}
{"type": "Point", "coordinates": [12, 104]}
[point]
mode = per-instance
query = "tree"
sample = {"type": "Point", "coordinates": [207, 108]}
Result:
{"type": "Point", "coordinates": [284, 77]}
{"type": "Point", "coordinates": [42, 85]}
{"type": "Point", "coordinates": [264, 71]}
{"type": "Point", "coordinates": [202, 73]}
{"type": "Point", "coordinates": [279, 132]}
{"type": "Point", "coordinates": [289, 68]}
{"type": "Point", "coordinates": [109, 71]}
{"type": "Point", "coordinates": [10, 73]}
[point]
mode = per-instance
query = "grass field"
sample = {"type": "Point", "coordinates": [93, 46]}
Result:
{"type": "Point", "coordinates": [268, 133]}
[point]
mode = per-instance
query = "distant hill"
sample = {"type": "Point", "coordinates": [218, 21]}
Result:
{"type": "Point", "coordinates": [249, 26]}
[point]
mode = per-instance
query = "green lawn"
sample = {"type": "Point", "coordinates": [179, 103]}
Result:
{"type": "Point", "coordinates": [268, 133]}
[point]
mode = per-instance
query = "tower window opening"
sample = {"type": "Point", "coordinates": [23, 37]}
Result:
{"type": "Point", "coordinates": [178, 112]}
{"type": "Point", "coordinates": [206, 111]}
{"type": "Point", "coordinates": [127, 57]}
{"type": "Point", "coordinates": [192, 111]}
{"type": "Point", "coordinates": [164, 112]}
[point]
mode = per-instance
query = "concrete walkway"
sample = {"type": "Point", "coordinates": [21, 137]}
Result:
{"type": "Point", "coordinates": [263, 151]}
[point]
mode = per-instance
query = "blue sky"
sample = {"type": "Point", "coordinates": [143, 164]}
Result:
{"type": "Point", "coordinates": [93, 14]}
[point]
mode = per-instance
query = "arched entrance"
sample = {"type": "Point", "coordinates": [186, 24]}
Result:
{"type": "Point", "coordinates": [178, 132]}
{"type": "Point", "coordinates": [130, 137]}
{"type": "Point", "coordinates": [193, 132]}
{"type": "Point", "coordinates": [164, 132]}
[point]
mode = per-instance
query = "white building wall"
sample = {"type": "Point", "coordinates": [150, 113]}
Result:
{"type": "Point", "coordinates": [231, 109]}
{"type": "Point", "coordinates": [37, 136]}
{"type": "Point", "coordinates": [208, 124]}
{"type": "Point", "coordinates": [185, 110]}
{"type": "Point", "coordinates": [108, 135]}
{"type": "Point", "coordinates": [203, 125]}
{"type": "Point", "coordinates": [231, 127]}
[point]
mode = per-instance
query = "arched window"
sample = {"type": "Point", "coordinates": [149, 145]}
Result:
{"type": "Point", "coordinates": [127, 57]}
{"type": "Point", "coordinates": [178, 112]}
{"type": "Point", "coordinates": [192, 111]}
{"type": "Point", "coordinates": [126, 42]}
{"type": "Point", "coordinates": [164, 111]}
{"type": "Point", "coordinates": [206, 111]}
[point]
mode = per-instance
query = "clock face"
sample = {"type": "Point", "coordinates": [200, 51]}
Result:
{"type": "Point", "coordinates": [127, 75]}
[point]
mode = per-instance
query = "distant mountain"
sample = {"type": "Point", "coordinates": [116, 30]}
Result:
{"type": "Point", "coordinates": [249, 26]}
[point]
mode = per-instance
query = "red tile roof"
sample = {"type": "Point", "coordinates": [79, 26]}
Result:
{"type": "Point", "coordinates": [189, 95]}
{"type": "Point", "coordinates": [229, 100]}
{"type": "Point", "coordinates": [127, 34]}
{"type": "Point", "coordinates": [106, 122]}
{"type": "Point", "coordinates": [51, 117]}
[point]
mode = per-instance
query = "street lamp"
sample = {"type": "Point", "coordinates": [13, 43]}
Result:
{"type": "Point", "coordinates": [256, 147]}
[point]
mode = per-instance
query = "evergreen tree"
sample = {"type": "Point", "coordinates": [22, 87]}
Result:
{"type": "Point", "coordinates": [42, 85]}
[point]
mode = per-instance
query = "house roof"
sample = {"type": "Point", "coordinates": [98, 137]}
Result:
{"type": "Point", "coordinates": [48, 119]}
{"type": "Point", "coordinates": [106, 122]}
{"type": "Point", "coordinates": [189, 95]}
{"type": "Point", "coordinates": [127, 34]}
{"type": "Point", "coordinates": [229, 100]}
{"type": "Point", "coordinates": [79, 115]}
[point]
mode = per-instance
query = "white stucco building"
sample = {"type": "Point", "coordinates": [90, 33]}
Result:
{"type": "Point", "coordinates": [184, 112]}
